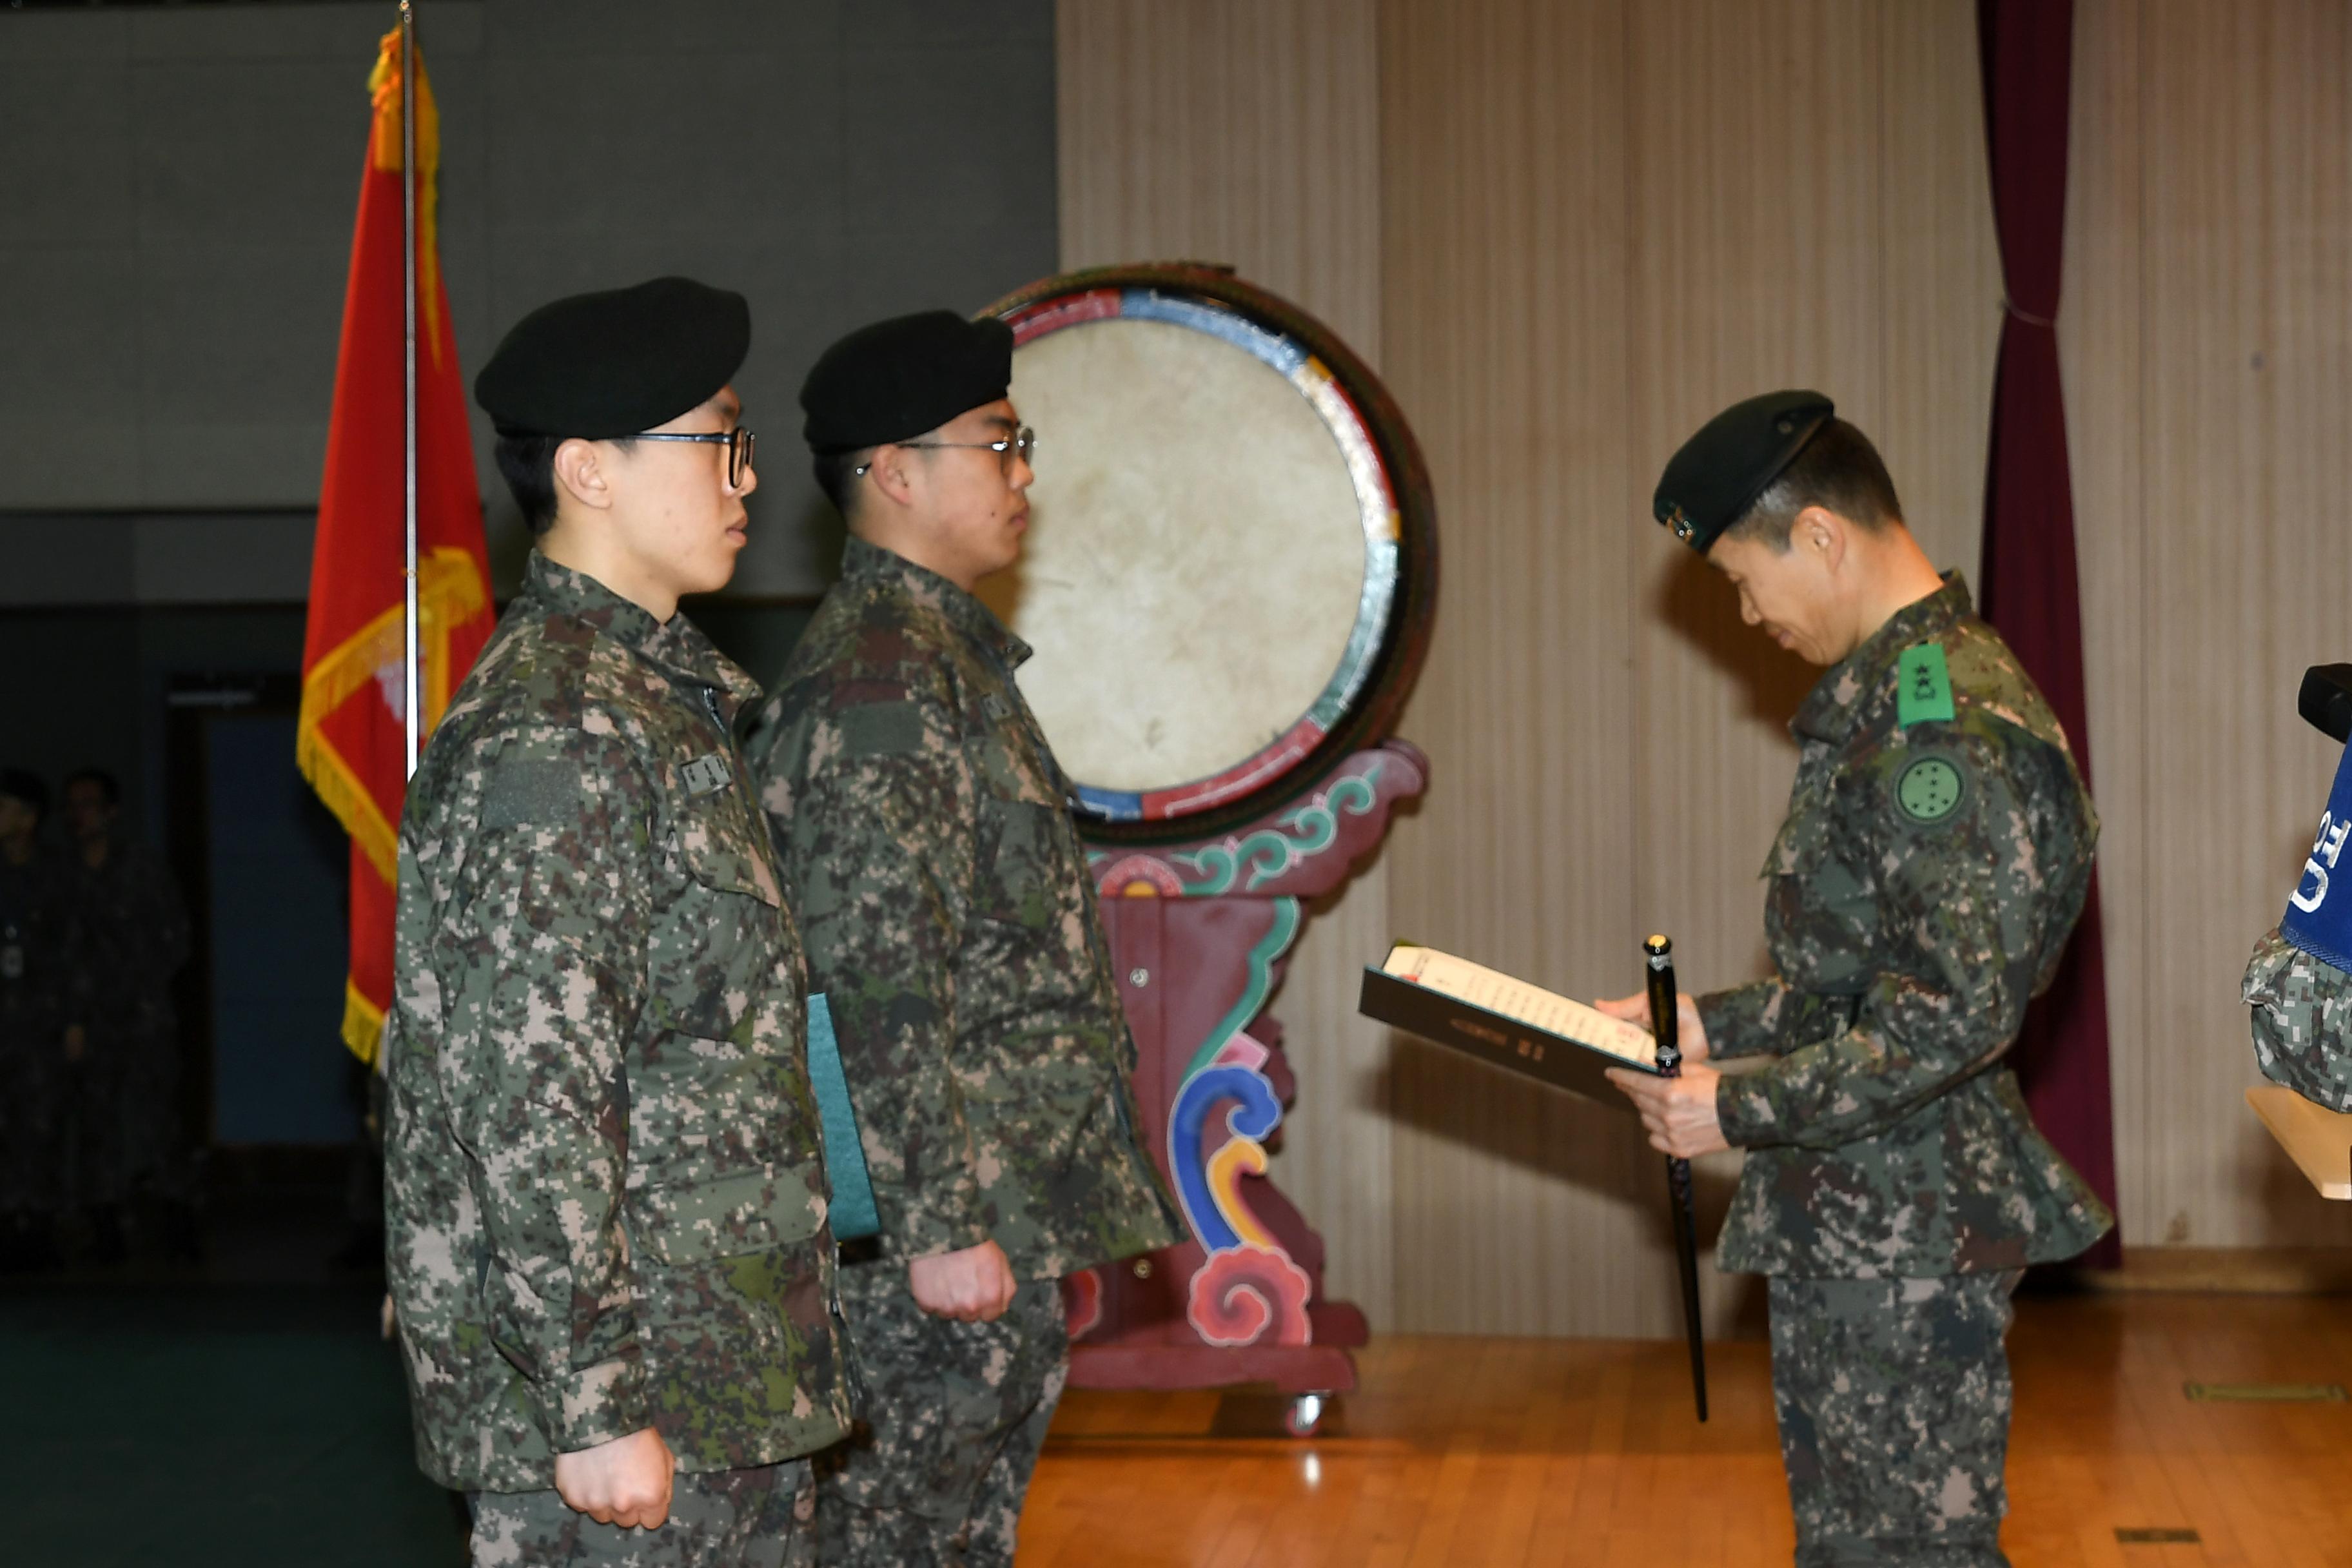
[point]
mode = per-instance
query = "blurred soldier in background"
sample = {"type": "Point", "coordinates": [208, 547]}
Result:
{"type": "Point", "coordinates": [2299, 981]}
{"type": "Point", "coordinates": [126, 936]}
{"type": "Point", "coordinates": [32, 1060]}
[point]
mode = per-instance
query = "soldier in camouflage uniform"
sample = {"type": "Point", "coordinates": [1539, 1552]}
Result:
{"type": "Point", "coordinates": [2302, 1020]}
{"type": "Point", "coordinates": [1935, 856]}
{"type": "Point", "coordinates": [126, 934]}
{"type": "Point", "coordinates": [950, 921]}
{"type": "Point", "coordinates": [32, 1052]}
{"type": "Point", "coordinates": [2299, 981]}
{"type": "Point", "coordinates": [606, 1206]}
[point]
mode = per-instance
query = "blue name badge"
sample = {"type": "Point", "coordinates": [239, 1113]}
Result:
{"type": "Point", "coordinates": [2317, 920]}
{"type": "Point", "coordinates": [853, 1212]}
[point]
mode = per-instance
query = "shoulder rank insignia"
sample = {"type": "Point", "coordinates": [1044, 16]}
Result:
{"type": "Point", "coordinates": [707, 774]}
{"type": "Point", "coordinates": [1926, 689]}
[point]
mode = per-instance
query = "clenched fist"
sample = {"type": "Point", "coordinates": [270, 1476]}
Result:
{"type": "Point", "coordinates": [973, 1286]}
{"type": "Point", "coordinates": [626, 1481]}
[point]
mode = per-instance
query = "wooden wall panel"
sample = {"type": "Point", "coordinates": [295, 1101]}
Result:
{"type": "Point", "coordinates": [1248, 133]}
{"type": "Point", "coordinates": [1939, 299]}
{"type": "Point", "coordinates": [1504, 257]}
{"type": "Point", "coordinates": [2216, 185]}
{"type": "Point", "coordinates": [2099, 349]}
{"type": "Point", "coordinates": [1227, 130]}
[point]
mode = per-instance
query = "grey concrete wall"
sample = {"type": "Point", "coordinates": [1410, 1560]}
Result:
{"type": "Point", "coordinates": [85, 686]}
{"type": "Point", "coordinates": [107, 558]}
{"type": "Point", "coordinates": [177, 188]}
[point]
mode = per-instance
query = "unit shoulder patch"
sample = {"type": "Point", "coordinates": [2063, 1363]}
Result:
{"type": "Point", "coordinates": [1930, 788]}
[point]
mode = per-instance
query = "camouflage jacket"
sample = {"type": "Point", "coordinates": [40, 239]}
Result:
{"type": "Point", "coordinates": [604, 1204]}
{"type": "Point", "coordinates": [32, 948]}
{"type": "Point", "coordinates": [928, 850]}
{"type": "Point", "coordinates": [2302, 1020]}
{"type": "Point", "coordinates": [1933, 863]}
{"type": "Point", "coordinates": [2297, 981]}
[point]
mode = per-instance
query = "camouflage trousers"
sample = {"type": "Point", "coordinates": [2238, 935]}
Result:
{"type": "Point", "coordinates": [154, 1153]}
{"type": "Point", "coordinates": [756, 1518]}
{"type": "Point", "coordinates": [1893, 1400]}
{"type": "Point", "coordinates": [93, 1129]}
{"type": "Point", "coordinates": [117, 1131]}
{"type": "Point", "coordinates": [953, 1418]}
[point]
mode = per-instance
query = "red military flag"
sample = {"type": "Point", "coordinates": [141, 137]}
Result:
{"type": "Point", "coordinates": [351, 739]}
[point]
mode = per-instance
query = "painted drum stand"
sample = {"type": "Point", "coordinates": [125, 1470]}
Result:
{"type": "Point", "coordinates": [1199, 932]}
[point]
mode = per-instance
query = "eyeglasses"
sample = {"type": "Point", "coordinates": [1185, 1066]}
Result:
{"type": "Point", "coordinates": [1021, 443]}
{"type": "Point", "coordinates": [736, 441]}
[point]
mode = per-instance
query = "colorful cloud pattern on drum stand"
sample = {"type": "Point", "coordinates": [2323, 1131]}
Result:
{"type": "Point", "coordinates": [1247, 1290]}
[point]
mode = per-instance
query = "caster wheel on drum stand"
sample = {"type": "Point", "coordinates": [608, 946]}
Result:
{"type": "Point", "coordinates": [1306, 1414]}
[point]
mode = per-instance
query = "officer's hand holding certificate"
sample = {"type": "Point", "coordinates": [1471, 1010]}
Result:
{"type": "Point", "coordinates": [1678, 1112]}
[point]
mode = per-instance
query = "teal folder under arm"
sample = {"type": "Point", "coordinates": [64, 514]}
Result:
{"type": "Point", "coordinates": [853, 1211]}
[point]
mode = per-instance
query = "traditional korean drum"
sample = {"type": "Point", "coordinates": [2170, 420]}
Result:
{"type": "Point", "coordinates": [1232, 557]}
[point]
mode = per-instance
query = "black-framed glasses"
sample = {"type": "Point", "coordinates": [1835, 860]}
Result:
{"type": "Point", "coordinates": [736, 441]}
{"type": "Point", "coordinates": [1021, 443]}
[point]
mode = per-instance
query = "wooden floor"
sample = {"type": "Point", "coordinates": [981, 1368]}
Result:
{"type": "Point", "coordinates": [1461, 1451]}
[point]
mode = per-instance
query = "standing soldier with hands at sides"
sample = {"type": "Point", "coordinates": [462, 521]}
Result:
{"type": "Point", "coordinates": [605, 1211]}
{"type": "Point", "coordinates": [951, 922]}
{"type": "Point", "coordinates": [126, 935]}
{"type": "Point", "coordinates": [2299, 980]}
{"type": "Point", "coordinates": [1935, 856]}
{"type": "Point", "coordinates": [33, 1070]}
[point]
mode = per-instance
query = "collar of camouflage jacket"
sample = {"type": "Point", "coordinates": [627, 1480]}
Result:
{"type": "Point", "coordinates": [1835, 705]}
{"type": "Point", "coordinates": [893, 572]}
{"type": "Point", "coordinates": [678, 646]}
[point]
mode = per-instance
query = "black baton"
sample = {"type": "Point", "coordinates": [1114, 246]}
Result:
{"type": "Point", "coordinates": [1666, 1020]}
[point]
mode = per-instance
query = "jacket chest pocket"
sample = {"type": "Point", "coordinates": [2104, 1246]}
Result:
{"type": "Point", "coordinates": [722, 948]}
{"type": "Point", "coordinates": [1821, 910]}
{"type": "Point", "coordinates": [1024, 874]}
{"type": "Point", "coordinates": [1026, 866]}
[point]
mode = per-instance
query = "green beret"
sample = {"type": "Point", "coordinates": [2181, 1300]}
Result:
{"type": "Point", "coordinates": [895, 379]}
{"type": "Point", "coordinates": [613, 364]}
{"type": "Point", "coordinates": [1710, 484]}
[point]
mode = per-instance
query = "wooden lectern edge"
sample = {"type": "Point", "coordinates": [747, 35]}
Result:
{"type": "Point", "coordinates": [2319, 1140]}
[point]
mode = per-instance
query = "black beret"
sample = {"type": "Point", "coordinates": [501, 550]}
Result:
{"type": "Point", "coordinates": [1710, 484]}
{"type": "Point", "coordinates": [613, 364]}
{"type": "Point", "coordinates": [899, 378]}
{"type": "Point", "coordinates": [18, 785]}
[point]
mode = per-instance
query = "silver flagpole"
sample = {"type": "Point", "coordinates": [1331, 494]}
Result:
{"type": "Point", "coordinates": [409, 714]}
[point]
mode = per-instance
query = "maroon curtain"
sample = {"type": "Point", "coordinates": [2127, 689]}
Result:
{"type": "Point", "coordinates": [2027, 586]}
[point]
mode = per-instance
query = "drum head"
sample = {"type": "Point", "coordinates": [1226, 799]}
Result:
{"type": "Point", "coordinates": [1230, 557]}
